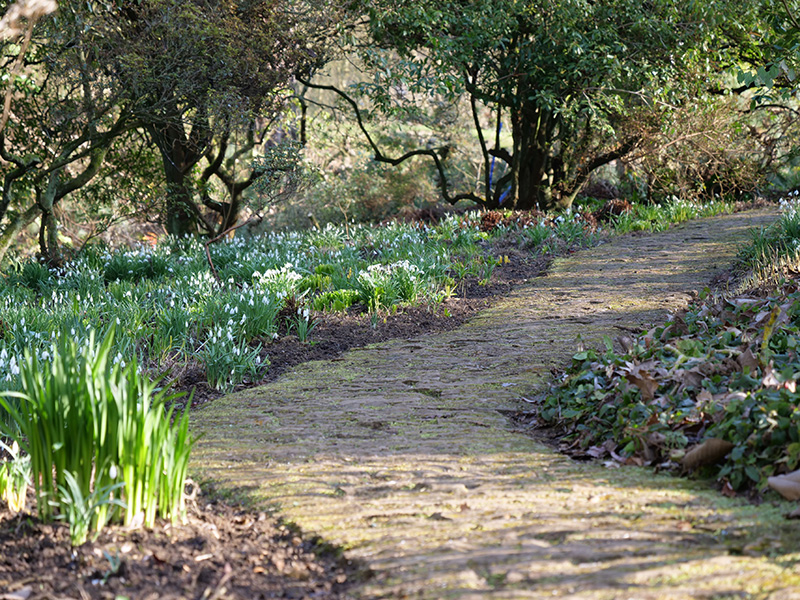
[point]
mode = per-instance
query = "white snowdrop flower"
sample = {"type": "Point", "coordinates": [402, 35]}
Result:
{"type": "Point", "coordinates": [275, 336]}
{"type": "Point", "coordinates": [3, 354]}
{"type": "Point", "coordinates": [72, 332]}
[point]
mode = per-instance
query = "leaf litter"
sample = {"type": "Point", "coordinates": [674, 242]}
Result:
{"type": "Point", "coordinates": [713, 391]}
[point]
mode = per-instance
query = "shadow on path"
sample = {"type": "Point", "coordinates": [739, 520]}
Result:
{"type": "Point", "coordinates": [400, 452]}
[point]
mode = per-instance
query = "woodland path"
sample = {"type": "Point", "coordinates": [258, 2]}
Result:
{"type": "Point", "coordinates": [401, 452]}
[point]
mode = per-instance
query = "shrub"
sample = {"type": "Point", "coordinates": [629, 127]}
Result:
{"type": "Point", "coordinates": [92, 428]}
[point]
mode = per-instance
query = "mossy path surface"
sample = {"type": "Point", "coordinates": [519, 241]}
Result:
{"type": "Point", "coordinates": [401, 453]}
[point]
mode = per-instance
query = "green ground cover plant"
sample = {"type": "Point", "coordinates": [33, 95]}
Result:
{"type": "Point", "coordinates": [712, 390]}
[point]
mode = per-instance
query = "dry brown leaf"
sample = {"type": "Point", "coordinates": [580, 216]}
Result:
{"type": "Point", "coordinates": [639, 376]}
{"type": "Point", "coordinates": [761, 316]}
{"type": "Point", "coordinates": [770, 380]}
{"type": "Point", "coordinates": [788, 488]}
{"type": "Point", "coordinates": [596, 451]}
{"type": "Point", "coordinates": [689, 377]}
{"type": "Point", "coordinates": [795, 514]}
{"type": "Point", "coordinates": [727, 490]}
{"type": "Point", "coordinates": [747, 360]}
{"type": "Point", "coordinates": [649, 337]}
{"type": "Point", "coordinates": [705, 396]}
{"type": "Point", "coordinates": [793, 476]}
{"type": "Point", "coordinates": [679, 326]}
{"type": "Point", "coordinates": [739, 302]}
{"type": "Point", "coordinates": [709, 452]}
{"type": "Point", "coordinates": [21, 594]}
{"type": "Point", "coordinates": [626, 342]}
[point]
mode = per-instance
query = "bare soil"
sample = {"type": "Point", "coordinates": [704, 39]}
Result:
{"type": "Point", "coordinates": [220, 552]}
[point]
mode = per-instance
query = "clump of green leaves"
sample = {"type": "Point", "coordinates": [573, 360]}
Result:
{"type": "Point", "coordinates": [101, 444]}
{"type": "Point", "coordinates": [725, 369]}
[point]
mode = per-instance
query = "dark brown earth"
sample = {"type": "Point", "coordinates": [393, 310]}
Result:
{"type": "Point", "coordinates": [221, 552]}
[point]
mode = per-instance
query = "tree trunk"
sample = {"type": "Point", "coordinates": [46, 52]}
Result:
{"type": "Point", "coordinates": [535, 161]}
{"type": "Point", "coordinates": [179, 153]}
{"type": "Point", "coordinates": [48, 229]}
{"type": "Point", "coordinates": [179, 216]}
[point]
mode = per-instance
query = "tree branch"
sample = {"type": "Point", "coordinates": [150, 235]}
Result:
{"type": "Point", "coordinates": [380, 157]}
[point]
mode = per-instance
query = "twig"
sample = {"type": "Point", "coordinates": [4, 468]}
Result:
{"type": "Point", "coordinates": [220, 589]}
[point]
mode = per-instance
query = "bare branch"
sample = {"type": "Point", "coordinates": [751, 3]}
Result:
{"type": "Point", "coordinates": [381, 157]}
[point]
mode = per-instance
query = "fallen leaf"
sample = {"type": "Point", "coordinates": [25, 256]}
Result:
{"type": "Point", "coordinates": [705, 396]}
{"type": "Point", "coordinates": [740, 302]}
{"type": "Point", "coordinates": [596, 451]}
{"type": "Point", "coordinates": [747, 360]}
{"type": "Point", "coordinates": [727, 490]}
{"type": "Point", "coordinates": [786, 487]}
{"type": "Point", "coordinates": [793, 476]}
{"type": "Point", "coordinates": [639, 376]}
{"type": "Point", "coordinates": [709, 452]}
{"type": "Point", "coordinates": [649, 337]}
{"type": "Point", "coordinates": [689, 378]}
{"type": "Point", "coordinates": [20, 594]}
{"type": "Point", "coordinates": [626, 342]}
{"type": "Point", "coordinates": [769, 328]}
{"type": "Point", "coordinates": [769, 379]}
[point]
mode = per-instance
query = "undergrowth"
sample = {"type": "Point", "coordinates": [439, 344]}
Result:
{"type": "Point", "coordinates": [721, 375]}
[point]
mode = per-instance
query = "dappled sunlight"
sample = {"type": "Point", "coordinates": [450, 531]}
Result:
{"type": "Point", "coordinates": [401, 453]}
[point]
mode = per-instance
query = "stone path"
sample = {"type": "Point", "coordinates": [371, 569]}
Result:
{"type": "Point", "coordinates": [401, 452]}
